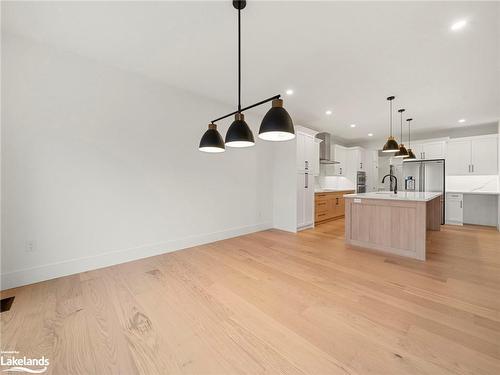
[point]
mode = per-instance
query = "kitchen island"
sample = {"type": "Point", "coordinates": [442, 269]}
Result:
{"type": "Point", "coordinates": [392, 223]}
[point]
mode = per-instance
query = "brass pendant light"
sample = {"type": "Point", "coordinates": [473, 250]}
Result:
{"type": "Point", "coordinates": [402, 153]}
{"type": "Point", "coordinates": [391, 145]}
{"type": "Point", "coordinates": [411, 155]}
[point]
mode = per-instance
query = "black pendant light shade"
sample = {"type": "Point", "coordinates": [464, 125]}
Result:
{"type": "Point", "coordinates": [391, 145]}
{"type": "Point", "coordinates": [402, 153]}
{"type": "Point", "coordinates": [277, 124]}
{"type": "Point", "coordinates": [212, 140]}
{"type": "Point", "coordinates": [411, 155]}
{"type": "Point", "coordinates": [239, 133]}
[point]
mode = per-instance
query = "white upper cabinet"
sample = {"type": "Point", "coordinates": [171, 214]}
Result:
{"type": "Point", "coordinates": [429, 149]}
{"type": "Point", "coordinates": [434, 150]}
{"type": "Point", "coordinates": [307, 152]}
{"type": "Point", "coordinates": [473, 155]}
{"type": "Point", "coordinates": [340, 155]}
{"type": "Point", "coordinates": [459, 155]}
{"type": "Point", "coordinates": [315, 163]}
{"type": "Point", "coordinates": [484, 155]}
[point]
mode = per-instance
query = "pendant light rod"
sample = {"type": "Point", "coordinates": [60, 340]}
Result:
{"type": "Point", "coordinates": [239, 60]}
{"type": "Point", "coordinates": [409, 131]}
{"type": "Point", "coordinates": [246, 108]}
{"type": "Point", "coordinates": [390, 99]}
{"type": "Point", "coordinates": [401, 113]}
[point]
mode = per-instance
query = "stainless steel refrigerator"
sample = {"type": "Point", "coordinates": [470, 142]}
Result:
{"type": "Point", "coordinates": [425, 175]}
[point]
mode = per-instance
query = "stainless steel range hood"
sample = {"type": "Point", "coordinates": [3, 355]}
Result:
{"type": "Point", "coordinates": [325, 149]}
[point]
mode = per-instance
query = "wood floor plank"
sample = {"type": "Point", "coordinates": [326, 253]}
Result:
{"type": "Point", "coordinates": [272, 303]}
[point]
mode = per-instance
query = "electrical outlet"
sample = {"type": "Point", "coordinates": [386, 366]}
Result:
{"type": "Point", "coordinates": [30, 246]}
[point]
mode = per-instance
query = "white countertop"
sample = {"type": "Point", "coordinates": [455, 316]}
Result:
{"type": "Point", "coordinates": [474, 192]}
{"type": "Point", "coordinates": [401, 195]}
{"type": "Point", "coordinates": [326, 190]}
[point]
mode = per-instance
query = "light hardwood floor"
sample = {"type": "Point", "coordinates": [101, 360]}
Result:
{"type": "Point", "coordinates": [274, 303]}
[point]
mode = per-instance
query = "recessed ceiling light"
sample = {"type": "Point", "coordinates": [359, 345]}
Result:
{"type": "Point", "coordinates": [458, 25]}
{"type": "Point", "coordinates": [462, 120]}
{"type": "Point", "coordinates": [328, 112]}
{"type": "Point", "coordinates": [370, 134]}
{"type": "Point", "coordinates": [353, 125]}
{"type": "Point", "coordinates": [289, 92]}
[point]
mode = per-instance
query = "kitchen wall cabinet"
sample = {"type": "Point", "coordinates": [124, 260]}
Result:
{"type": "Point", "coordinates": [454, 209]}
{"type": "Point", "coordinates": [339, 155]}
{"type": "Point", "coordinates": [473, 156]}
{"type": "Point", "coordinates": [315, 161]}
{"type": "Point", "coordinates": [305, 151]}
{"type": "Point", "coordinates": [426, 150]}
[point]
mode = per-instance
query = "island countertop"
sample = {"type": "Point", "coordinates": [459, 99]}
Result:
{"type": "Point", "coordinates": [414, 196]}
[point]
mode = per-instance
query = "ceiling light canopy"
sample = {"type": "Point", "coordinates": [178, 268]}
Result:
{"type": "Point", "coordinates": [391, 145]}
{"type": "Point", "coordinates": [370, 134]}
{"type": "Point", "coordinates": [328, 112]}
{"type": "Point", "coordinates": [462, 120]}
{"type": "Point", "coordinates": [353, 125]}
{"type": "Point", "coordinates": [276, 125]}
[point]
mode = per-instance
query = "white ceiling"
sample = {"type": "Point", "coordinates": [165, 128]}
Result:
{"type": "Point", "coordinates": [342, 56]}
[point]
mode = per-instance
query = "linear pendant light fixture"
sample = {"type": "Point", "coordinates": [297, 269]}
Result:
{"type": "Point", "coordinates": [391, 145]}
{"type": "Point", "coordinates": [276, 125]}
{"type": "Point", "coordinates": [411, 155]}
{"type": "Point", "coordinates": [402, 153]}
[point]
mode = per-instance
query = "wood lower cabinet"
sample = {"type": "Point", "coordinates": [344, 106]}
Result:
{"type": "Point", "coordinates": [329, 205]}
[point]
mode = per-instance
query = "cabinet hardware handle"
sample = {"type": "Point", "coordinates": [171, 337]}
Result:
{"type": "Point", "coordinates": [306, 175]}
{"type": "Point", "coordinates": [337, 203]}
{"type": "Point", "coordinates": [460, 204]}
{"type": "Point", "coordinates": [340, 170]}
{"type": "Point", "coordinates": [472, 168]}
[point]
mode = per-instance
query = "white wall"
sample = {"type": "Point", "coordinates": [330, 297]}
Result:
{"type": "Point", "coordinates": [101, 166]}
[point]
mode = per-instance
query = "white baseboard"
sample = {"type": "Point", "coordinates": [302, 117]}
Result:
{"type": "Point", "coordinates": [69, 267]}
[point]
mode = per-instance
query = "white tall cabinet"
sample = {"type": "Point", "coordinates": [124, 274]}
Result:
{"type": "Point", "coordinates": [307, 164]}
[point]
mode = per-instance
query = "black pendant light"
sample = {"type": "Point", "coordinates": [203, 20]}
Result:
{"type": "Point", "coordinates": [212, 140]}
{"type": "Point", "coordinates": [391, 145]}
{"type": "Point", "coordinates": [277, 124]}
{"type": "Point", "coordinates": [411, 155]}
{"type": "Point", "coordinates": [239, 133]}
{"type": "Point", "coordinates": [402, 153]}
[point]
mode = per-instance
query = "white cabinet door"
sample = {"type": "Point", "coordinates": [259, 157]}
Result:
{"type": "Point", "coordinates": [305, 200]}
{"type": "Point", "coordinates": [315, 163]}
{"type": "Point", "coordinates": [454, 209]}
{"type": "Point", "coordinates": [434, 150]}
{"type": "Point", "coordinates": [300, 200]}
{"type": "Point", "coordinates": [309, 153]}
{"type": "Point", "coordinates": [301, 151]}
{"type": "Point", "coordinates": [309, 201]}
{"type": "Point", "coordinates": [484, 155]}
{"type": "Point", "coordinates": [418, 150]}
{"type": "Point", "coordinates": [363, 165]}
{"type": "Point", "coordinates": [340, 156]}
{"type": "Point", "coordinates": [458, 161]}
